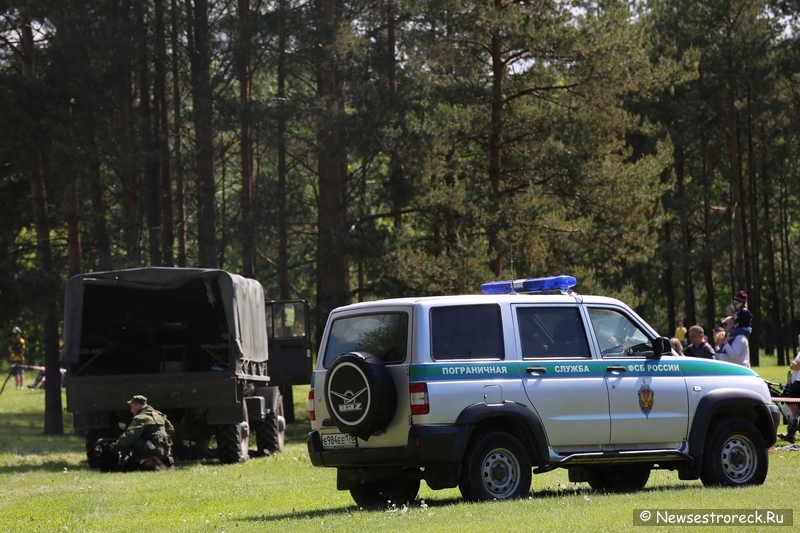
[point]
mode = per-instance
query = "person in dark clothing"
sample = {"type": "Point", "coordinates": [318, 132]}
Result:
{"type": "Point", "coordinates": [698, 345]}
{"type": "Point", "coordinates": [742, 317]}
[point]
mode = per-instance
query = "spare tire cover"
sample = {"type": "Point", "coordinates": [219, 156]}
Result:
{"type": "Point", "coordinates": [360, 394]}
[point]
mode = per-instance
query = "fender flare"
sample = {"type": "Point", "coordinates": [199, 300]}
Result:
{"type": "Point", "coordinates": [721, 399]}
{"type": "Point", "coordinates": [534, 436]}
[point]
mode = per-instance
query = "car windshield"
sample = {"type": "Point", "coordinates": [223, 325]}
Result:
{"type": "Point", "coordinates": [384, 335]}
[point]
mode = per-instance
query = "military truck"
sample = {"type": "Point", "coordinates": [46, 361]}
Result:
{"type": "Point", "coordinates": [201, 344]}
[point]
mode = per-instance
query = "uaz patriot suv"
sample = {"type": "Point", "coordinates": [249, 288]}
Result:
{"type": "Point", "coordinates": [479, 391]}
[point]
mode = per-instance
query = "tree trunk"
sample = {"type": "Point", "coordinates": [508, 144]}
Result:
{"type": "Point", "coordinates": [737, 193]}
{"type": "Point", "coordinates": [247, 233]}
{"type": "Point", "coordinates": [53, 419]}
{"type": "Point", "coordinates": [669, 283]}
{"type": "Point", "coordinates": [333, 278]}
{"type": "Point", "coordinates": [753, 254]}
{"type": "Point", "coordinates": [708, 253]}
{"type": "Point", "coordinates": [496, 149]}
{"type": "Point", "coordinates": [786, 257]}
{"type": "Point", "coordinates": [203, 107]}
{"type": "Point", "coordinates": [160, 134]}
{"type": "Point", "coordinates": [180, 187]}
{"type": "Point", "coordinates": [120, 20]}
{"type": "Point", "coordinates": [283, 222]}
{"type": "Point", "coordinates": [149, 132]}
{"type": "Point", "coordinates": [100, 222]}
{"type": "Point", "coordinates": [775, 307]}
{"type": "Point", "coordinates": [689, 316]}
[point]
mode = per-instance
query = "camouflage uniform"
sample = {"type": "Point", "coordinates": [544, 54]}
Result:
{"type": "Point", "coordinates": [148, 435]}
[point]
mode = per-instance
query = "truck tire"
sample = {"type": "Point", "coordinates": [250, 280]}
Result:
{"type": "Point", "coordinates": [360, 394]}
{"type": "Point", "coordinates": [496, 467]}
{"type": "Point", "coordinates": [735, 455]}
{"type": "Point", "coordinates": [232, 443]}
{"type": "Point", "coordinates": [385, 492]}
{"type": "Point", "coordinates": [92, 436]}
{"type": "Point", "coordinates": [271, 431]}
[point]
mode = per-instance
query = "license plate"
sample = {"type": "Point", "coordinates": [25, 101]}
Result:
{"type": "Point", "coordinates": [338, 440]}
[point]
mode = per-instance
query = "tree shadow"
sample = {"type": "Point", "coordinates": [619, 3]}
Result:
{"type": "Point", "coordinates": [570, 492]}
{"type": "Point", "coordinates": [46, 466]}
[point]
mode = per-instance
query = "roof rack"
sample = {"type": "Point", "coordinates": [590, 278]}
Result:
{"type": "Point", "coordinates": [562, 283]}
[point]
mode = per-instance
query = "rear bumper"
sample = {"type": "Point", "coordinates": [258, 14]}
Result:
{"type": "Point", "coordinates": [427, 445]}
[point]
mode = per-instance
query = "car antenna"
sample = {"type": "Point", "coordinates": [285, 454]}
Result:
{"type": "Point", "coordinates": [511, 246]}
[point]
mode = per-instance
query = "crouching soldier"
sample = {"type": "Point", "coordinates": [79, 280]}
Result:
{"type": "Point", "coordinates": [148, 436]}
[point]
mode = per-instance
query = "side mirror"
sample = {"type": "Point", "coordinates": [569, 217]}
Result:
{"type": "Point", "coordinates": [661, 346]}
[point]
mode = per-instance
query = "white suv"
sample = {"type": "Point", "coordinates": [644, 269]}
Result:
{"type": "Point", "coordinates": [476, 391]}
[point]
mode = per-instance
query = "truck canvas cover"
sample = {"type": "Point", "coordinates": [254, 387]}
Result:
{"type": "Point", "coordinates": [163, 306]}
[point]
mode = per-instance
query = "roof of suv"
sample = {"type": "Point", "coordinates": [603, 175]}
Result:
{"type": "Point", "coordinates": [523, 298]}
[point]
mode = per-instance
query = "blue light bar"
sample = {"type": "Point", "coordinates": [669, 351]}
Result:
{"type": "Point", "coordinates": [553, 283]}
{"type": "Point", "coordinates": [502, 287]}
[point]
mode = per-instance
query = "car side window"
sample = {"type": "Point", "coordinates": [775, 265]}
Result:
{"type": "Point", "coordinates": [466, 332]}
{"type": "Point", "coordinates": [547, 332]}
{"type": "Point", "coordinates": [616, 333]}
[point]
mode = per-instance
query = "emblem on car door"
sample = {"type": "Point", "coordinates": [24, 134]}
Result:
{"type": "Point", "coordinates": [646, 398]}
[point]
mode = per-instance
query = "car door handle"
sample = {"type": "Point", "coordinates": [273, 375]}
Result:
{"type": "Point", "coordinates": [615, 368]}
{"type": "Point", "coordinates": [536, 370]}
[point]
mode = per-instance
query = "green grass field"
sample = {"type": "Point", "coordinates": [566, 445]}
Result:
{"type": "Point", "coordinates": [46, 485]}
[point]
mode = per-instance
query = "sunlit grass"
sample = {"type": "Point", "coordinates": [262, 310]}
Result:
{"type": "Point", "coordinates": [46, 485]}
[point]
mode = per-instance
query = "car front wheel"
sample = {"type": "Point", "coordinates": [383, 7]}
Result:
{"type": "Point", "coordinates": [735, 455]}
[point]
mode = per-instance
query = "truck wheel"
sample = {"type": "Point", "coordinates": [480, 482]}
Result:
{"type": "Point", "coordinates": [385, 492]}
{"type": "Point", "coordinates": [497, 466]}
{"type": "Point", "coordinates": [232, 443]}
{"type": "Point", "coordinates": [619, 479]}
{"type": "Point", "coordinates": [735, 455]}
{"type": "Point", "coordinates": [360, 394]}
{"type": "Point", "coordinates": [92, 436]}
{"type": "Point", "coordinates": [270, 432]}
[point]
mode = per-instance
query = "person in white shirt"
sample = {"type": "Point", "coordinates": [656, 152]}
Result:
{"type": "Point", "coordinates": [734, 349]}
{"type": "Point", "coordinates": [793, 391]}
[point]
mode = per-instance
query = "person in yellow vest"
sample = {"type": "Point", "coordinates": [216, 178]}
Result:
{"type": "Point", "coordinates": [16, 352]}
{"type": "Point", "coordinates": [680, 333]}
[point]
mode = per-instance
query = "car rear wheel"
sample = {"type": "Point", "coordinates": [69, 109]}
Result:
{"type": "Point", "coordinates": [497, 467]}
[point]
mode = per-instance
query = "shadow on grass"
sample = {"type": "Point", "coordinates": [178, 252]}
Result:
{"type": "Point", "coordinates": [446, 502]}
{"type": "Point", "coordinates": [56, 466]}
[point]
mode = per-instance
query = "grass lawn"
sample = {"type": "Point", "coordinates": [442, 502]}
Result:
{"type": "Point", "coordinates": [46, 485]}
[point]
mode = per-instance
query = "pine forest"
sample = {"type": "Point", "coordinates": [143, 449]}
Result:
{"type": "Point", "coordinates": [348, 150]}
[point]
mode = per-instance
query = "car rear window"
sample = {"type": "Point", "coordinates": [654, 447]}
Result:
{"type": "Point", "coordinates": [466, 332]}
{"type": "Point", "coordinates": [384, 335]}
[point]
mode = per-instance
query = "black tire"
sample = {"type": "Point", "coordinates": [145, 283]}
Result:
{"type": "Point", "coordinates": [232, 443]}
{"type": "Point", "coordinates": [735, 455]}
{"type": "Point", "coordinates": [270, 433]}
{"type": "Point", "coordinates": [92, 438]}
{"type": "Point", "coordinates": [496, 467]}
{"type": "Point", "coordinates": [360, 394]}
{"type": "Point", "coordinates": [619, 479]}
{"type": "Point", "coordinates": [385, 492]}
